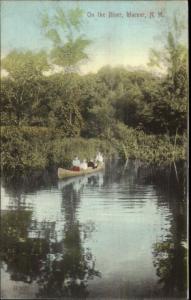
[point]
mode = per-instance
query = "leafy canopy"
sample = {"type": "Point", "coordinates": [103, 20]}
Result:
{"type": "Point", "coordinates": [63, 30]}
{"type": "Point", "coordinates": [25, 64]}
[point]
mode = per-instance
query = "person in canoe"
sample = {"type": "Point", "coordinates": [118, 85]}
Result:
{"type": "Point", "coordinates": [83, 165]}
{"type": "Point", "coordinates": [92, 164]}
{"type": "Point", "coordinates": [99, 158]}
{"type": "Point", "coordinates": [75, 164]}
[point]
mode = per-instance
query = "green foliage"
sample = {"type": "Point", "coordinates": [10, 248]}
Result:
{"type": "Point", "coordinates": [129, 115]}
{"type": "Point", "coordinates": [66, 149]}
{"type": "Point", "coordinates": [63, 30]}
{"type": "Point", "coordinates": [23, 91]}
{"type": "Point", "coordinates": [135, 144]}
{"type": "Point", "coordinates": [71, 53]}
{"type": "Point", "coordinates": [136, 113]}
{"type": "Point", "coordinates": [171, 107]}
{"type": "Point", "coordinates": [24, 148]}
{"type": "Point", "coordinates": [64, 103]}
{"type": "Point", "coordinates": [38, 148]}
{"type": "Point", "coordinates": [25, 65]}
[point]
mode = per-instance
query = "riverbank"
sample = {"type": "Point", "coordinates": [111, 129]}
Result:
{"type": "Point", "coordinates": [24, 148]}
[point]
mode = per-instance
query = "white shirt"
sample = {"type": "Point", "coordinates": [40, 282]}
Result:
{"type": "Point", "coordinates": [99, 158]}
{"type": "Point", "coordinates": [76, 162]}
{"type": "Point", "coordinates": [83, 165]}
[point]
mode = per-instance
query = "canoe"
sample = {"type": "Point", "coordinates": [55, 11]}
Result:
{"type": "Point", "coordinates": [64, 173]}
{"type": "Point", "coordinates": [79, 180]}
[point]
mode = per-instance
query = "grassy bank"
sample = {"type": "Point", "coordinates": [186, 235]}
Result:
{"type": "Point", "coordinates": [38, 148]}
{"type": "Point", "coordinates": [34, 148]}
{"type": "Point", "coordinates": [157, 149]}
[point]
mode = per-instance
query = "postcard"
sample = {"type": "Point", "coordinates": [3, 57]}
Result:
{"type": "Point", "coordinates": [94, 145]}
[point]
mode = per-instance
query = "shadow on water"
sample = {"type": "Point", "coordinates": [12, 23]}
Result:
{"type": "Point", "coordinates": [62, 267]}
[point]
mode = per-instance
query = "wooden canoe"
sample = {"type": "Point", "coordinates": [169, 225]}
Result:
{"type": "Point", "coordinates": [64, 173]}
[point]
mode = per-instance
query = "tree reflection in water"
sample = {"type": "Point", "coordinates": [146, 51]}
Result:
{"type": "Point", "coordinates": [32, 252]}
{"type": "Point", "coordinates": [168, 259]}
{"type": "Point", "coordinates": [69, 273]}
{"type": "Point", "coordinates": [170, 254]}
{"type": "Point", "coordinates": [36, 251]}
{"type": "Point", "coordinates": [22, 254]}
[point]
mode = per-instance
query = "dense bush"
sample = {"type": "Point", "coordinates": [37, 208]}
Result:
{"type": "Point", "coordinates": [37, 147]}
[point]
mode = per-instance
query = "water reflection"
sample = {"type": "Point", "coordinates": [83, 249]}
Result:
{"type": "Point", "coordinates": [32, 251]}
{"type": "Point", "coordinates": [170, 253]}
{"type": "Point", "coordinates": [119, 234]}
{"type": "Point", "coordinates": [67, 272]}
{"type": "Point", "coordinates": [170, 263]}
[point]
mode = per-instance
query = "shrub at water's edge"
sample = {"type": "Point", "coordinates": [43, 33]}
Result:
{"type": "Point", "coordinates": [157, 149]}
{"type": "Point", "coordinates": [35, 148]}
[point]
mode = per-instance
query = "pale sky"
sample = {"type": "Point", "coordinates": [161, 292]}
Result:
{"type": "Point", "coordinates": [123, 40]}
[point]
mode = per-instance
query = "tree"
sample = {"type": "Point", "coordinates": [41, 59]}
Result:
{"type": "Point", "coordinates": [21, 89]}
{"type": "Point", "coordinates": [134, 99]}
{"type": "Point", "coordinates": [171, 107]}
{"type": "Point", "coordinates": [63, 30]}
{"type": "Point", "coordinates": [68, 51]}
{"type": "Point", "coordinates": [64, 95]}
{"type": "Point", "coordinates": [96, 107]}
{"type": "Point", "coordinates": [25, 64]}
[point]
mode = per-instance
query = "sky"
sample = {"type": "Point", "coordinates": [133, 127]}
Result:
{"type": "Point", "coordinates": [120, 36]}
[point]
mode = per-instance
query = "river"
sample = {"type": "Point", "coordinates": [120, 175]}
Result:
{"type": "Point", "coordinates": [117, 234]}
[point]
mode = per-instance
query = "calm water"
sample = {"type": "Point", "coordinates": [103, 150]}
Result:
{"type": "Point", "coordinates": [118, 234]}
